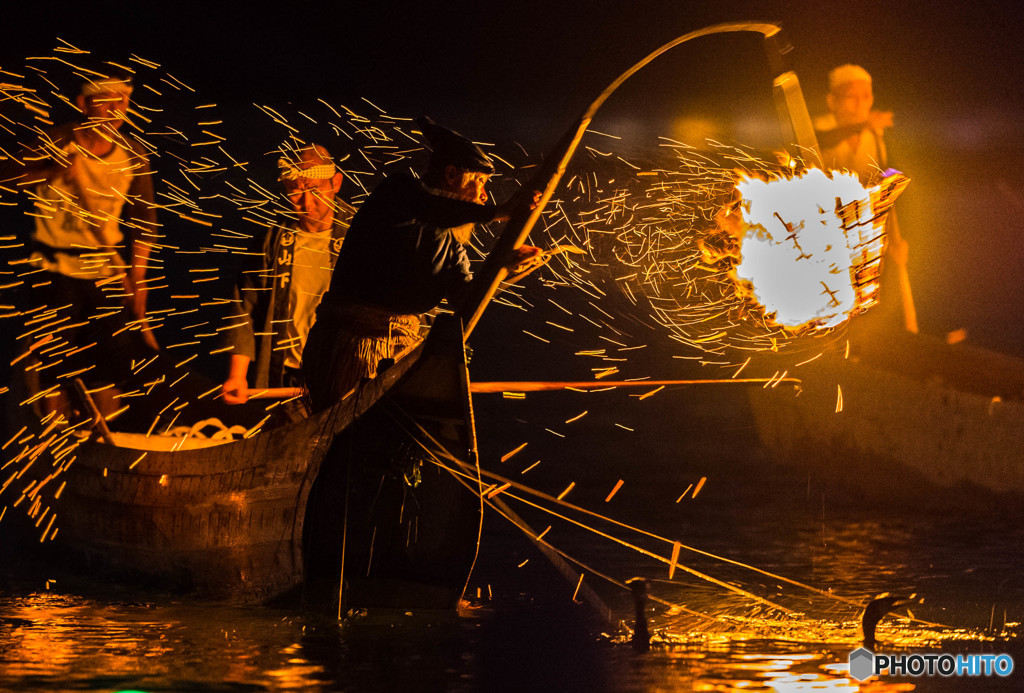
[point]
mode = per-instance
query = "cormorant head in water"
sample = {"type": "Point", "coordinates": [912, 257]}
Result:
{"type": "Point", "coordinates": [641, 634]}
{"type": "Point", "coordinates": [875, 611]}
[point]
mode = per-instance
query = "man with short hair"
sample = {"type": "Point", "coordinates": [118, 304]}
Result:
{"type": "Point", "coordinates": [850, 135]}
{"type": "Point", "coordinates": [94, 228]}
{"type": "Point", "coordinates": [851, 138]}
{"type": "Point", "coordinates": [280, 294]}
{"type": "Point", "coordinates": [404, 254]}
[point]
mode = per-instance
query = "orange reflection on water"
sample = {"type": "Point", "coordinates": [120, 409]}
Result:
{"type": "Point", "coordinates": [52, 637]}
{"type": "Point", "coordinates": [759, 670]}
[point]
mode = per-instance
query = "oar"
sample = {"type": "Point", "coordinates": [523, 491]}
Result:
{"type": "Point", "coordinates": [98, 421]}
{"type": "Point", "coordinates": [893, 227]}
{"type": "Point", "coordinates": [907, 296]}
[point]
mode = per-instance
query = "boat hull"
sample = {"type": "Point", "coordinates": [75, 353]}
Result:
{"type": "Point", "coordinates": [947, 416]}
{"type": "Point", "coordinates": [396, 511]}
{"type": "Point", "coordinates": [222, 521]}
{"type": "Point", "coordinates": [228, 522]}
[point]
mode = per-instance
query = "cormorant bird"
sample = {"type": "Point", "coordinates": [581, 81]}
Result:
{"type": "Point", "coordinates": [875, 611]}
{"type": "Point", "coordinates": [641, 633]}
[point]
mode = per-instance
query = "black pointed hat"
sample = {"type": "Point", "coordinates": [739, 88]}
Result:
{"type": "Point", "coordinates": [450, 148]}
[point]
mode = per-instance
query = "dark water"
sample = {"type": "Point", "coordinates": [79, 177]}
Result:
{"type": "Point", "coordinates": [83, 637]}
{"type": "Point", "coordinates": [522, 630]}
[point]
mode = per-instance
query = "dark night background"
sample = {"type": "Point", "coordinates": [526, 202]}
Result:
{"type": "Point", "coordinates": [951, 72]}
{"type": "Point", "coordinates": [523, 70]}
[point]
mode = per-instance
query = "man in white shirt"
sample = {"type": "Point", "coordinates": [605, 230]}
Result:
{"type": "Point", "coordinates": [850, 135]}
{"type": "Point", "coordinates": [851, 138]}
{"type": "Point", "coordinates": [94, 229]}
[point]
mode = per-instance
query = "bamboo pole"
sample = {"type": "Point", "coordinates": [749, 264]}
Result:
{"type": "Point", "coordinates": [490, 276]}
{"type": "Point", "coordinates": [548, 386]}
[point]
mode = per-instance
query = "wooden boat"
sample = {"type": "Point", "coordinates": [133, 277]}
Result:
{"type": "Point", "coordinates": [363, 504]}
{"type": "Point", "coordinates": [902, 407]}
{"type": "Point", "coordinates": [230, 521]}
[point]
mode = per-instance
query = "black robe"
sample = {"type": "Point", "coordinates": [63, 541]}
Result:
{"type": "Point", "coordinates": [400, 254]}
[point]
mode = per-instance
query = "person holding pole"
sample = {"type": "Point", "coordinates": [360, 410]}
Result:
{"type": "Point", "coordinates": [94, 227]}
{"type": "Point", "coordinates": [851, 138]}
{"type": "Point", "coordinates": [404, 254]}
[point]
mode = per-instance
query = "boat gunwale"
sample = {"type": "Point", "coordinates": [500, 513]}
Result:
{"type": "Point", "coordinates": [143, 462]}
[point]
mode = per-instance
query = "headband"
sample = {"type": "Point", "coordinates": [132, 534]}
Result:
{"type": "Point", "coordinates": [107, 86]}
{"type": "Point", "coordinates": [289, 171]}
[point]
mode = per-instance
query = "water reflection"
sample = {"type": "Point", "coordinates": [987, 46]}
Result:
{"type": "Point", "coordinates": [89, 636]}
{"type": "Point", "coordinates": [749, 666]}
{"type": "Point", "coordinates": [54, 641]}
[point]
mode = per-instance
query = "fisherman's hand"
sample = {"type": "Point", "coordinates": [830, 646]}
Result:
{"type": "Point", "coordinates": [879, 120]}
{"type": "Point", "coordinates": [523, 258]}
{"type": "Point", "coordinates": [235, 390]}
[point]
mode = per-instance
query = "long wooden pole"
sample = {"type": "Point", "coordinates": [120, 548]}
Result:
{"type": "Point", "coordinates": [275, 393]}
{"type": "Point", "coordinates": [906, 295]}
{"type": "Point", "coordinates": [893, 228]}
{"type": "Point", "coordinates": [489, 277]}
{"type": "Point", "coordinates": [547, 386]}
{"type": "Point", "coordinates": [99, 422]}
{"type": "Point", "coordinates": [552, 385]}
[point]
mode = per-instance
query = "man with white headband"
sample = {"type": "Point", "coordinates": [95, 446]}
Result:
{"type": "Point", "coordinates": [279, 295]}
{"type": "Point", "coordinates": [404, 254]}
{"type": "Point", "coordinates": [850, 135]}
{"type": "Point", "coordinates": [94, 226]}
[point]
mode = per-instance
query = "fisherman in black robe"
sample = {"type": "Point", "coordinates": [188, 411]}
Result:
{"type": "Point", "coordinates": [404, 253]}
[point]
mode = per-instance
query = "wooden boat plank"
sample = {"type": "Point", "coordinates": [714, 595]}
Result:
{"type": "Point", "coordinates": [228, 520]}
{"type": "Point", "coordinates": [892, 416]}
{"type": "Point", "coordinates": [406, 542]}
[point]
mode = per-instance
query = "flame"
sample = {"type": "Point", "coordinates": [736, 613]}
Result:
{"type": "Point", "coordinates": [811, 244]}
